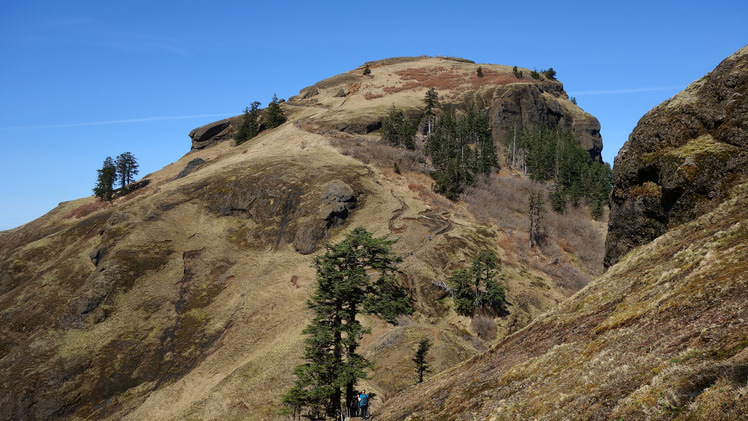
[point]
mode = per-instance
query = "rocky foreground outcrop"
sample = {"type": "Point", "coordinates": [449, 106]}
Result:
{"type": "Point", "coordinates": [682, 158]}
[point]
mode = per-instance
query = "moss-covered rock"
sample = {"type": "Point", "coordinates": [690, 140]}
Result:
{"type": "Point", "coordinates": [681, 159]}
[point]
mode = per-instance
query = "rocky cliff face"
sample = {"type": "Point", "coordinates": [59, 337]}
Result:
{"type": "Point", "coordinates": [682, 158]}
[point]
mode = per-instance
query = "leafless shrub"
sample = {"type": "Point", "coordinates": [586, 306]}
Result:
{"type": "Point", "coordinates": [444, 287]}
{"type": "Point", "coordinates": [503, 201]}
{"type": "Point", "coordinates": [484, 326]}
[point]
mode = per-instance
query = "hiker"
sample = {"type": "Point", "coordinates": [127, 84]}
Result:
{"type": "Point", "coordinates": [363, 403]}
{"type": "Point", "coordinates": [353, 410]}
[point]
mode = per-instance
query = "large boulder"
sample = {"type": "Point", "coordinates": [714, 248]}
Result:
{"type": "Point", "coordinates": [682, 159]}
{"type": "Point", "coordinates": [212, 133]}
{"type": "Point", "coordinates": [335, 202]}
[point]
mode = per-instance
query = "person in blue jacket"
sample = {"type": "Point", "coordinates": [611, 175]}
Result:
{"type": "Point", "coordinates": [363, 403]}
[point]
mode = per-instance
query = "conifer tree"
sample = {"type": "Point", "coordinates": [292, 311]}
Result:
{"type": "Point", "coordinates": [430, 100]}
{"type": "Point", "coordinates": [107, 176]}
{"type": "Point", "coordinates": [250, 124]}
{"type": "Point", "coordinates": [367, 70]}
{"type": "Point", "coordinates": [475, 289]}
{"type": "Point", "coordinates": [275, 116]}
{"type": "Point", "coordinates": [354, 275]}
{"type": "Point", "coordinates": [422, 366]}
{"type": "Point", "coordinates": [536, 213]}
{"type": "Point", "coordinates": [127, 168]}
{"type": "Point", "coordinates": [398, 130]}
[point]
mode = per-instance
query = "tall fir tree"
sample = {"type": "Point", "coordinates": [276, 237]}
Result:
{"type": "Point", "coordinates": [127, 168]}
{"type": "Point", "coordinates": [422, 365]}
{"type": "Point", "coordinates": [430, 101]}
{"type": "Point", "coordinates": [275, 115]}
{"type": "Point", "coordinates": [475, 289]}
{"type": "Point", "coordinates": [536, 213]}
{"type": "Point", "coordinates": [249, 126]}
{"type": "Point", "coordinates": [106, 178]}
{"type": "Point", "coordinates": [353, 276]}
{"type": "Point", "coordinates": [397, 129]}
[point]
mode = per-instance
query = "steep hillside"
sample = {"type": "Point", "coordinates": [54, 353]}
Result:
{"type": "Point", "coordinates": [661, 335]}
{"type": "Point", "coordinates": [186, 298]}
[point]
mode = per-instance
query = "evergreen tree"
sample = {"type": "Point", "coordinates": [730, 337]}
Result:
{"type": "Point", "coordinates": [430, 101]}
{"type": "Point", "coordinates": [475, 289]}
{"type": "Point", "coordinates": [275, 116]}
{"type": "Point", "coordinates": [460, 148]}
{"type": "Point", "coordinates": [107, 176]}
{"type": "Point", "coordinates": [250, 124]}
{"type": "Point", "coordinates": [127, 168]}
{"type": "Point", "coordinates": [479, 71]}
{"type": "Point", "coordinates": [536, 213]}
{"type": "Point", "coordinates": [464, 299]}
{"type": "Point", "coordinates": [367, 70]}
{"type": "Point", "coordinates": [422, 366]}
{"type": "Point", "coordinates": [354, 275]}
{"type": "Point", "coordinates": [398, 130]}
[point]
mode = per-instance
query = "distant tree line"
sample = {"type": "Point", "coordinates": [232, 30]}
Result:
{"type": "Point", "coordinates": [546, 154]}
{"type": "Point", "coordinates": [250, 125]}
{"type": "Point", "coordinates": [123, 169]}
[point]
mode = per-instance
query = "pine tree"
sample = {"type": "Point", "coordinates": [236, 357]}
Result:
{"type": "Point", "coordinates": [107, 176]}
{"type": "Point", "coordinates": [422, 366]}
{"type": "Point", "coordinates": [367, 70]}
{"type": "Point", "coordinates": [127, 168]}
{"type": "Point", "coordinates": [250, 124]}
{"type": "Point", "coordinates": [354, 275]}
{"type": "Point", "coordinates": [275, 116]}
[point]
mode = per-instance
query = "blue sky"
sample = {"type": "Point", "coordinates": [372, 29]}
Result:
{"type": "Point", "coordinates": [83, 80]}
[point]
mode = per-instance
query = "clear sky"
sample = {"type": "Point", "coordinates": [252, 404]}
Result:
{"type": "Point", "coordinates": [83, 80]}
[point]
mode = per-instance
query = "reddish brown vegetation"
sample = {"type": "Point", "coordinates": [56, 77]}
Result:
{"type": "Point", "coordinates": [87, 209]}
{"type": "Point", "coordinates": [445, 79]}
{"type": "Point", "coordinates": [295, 281]}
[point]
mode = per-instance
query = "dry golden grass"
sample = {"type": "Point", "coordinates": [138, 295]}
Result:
{"type": "Point", "coordinates": [661, 335]}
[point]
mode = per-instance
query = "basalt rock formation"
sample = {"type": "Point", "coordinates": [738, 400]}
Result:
{"type": "Point", "coordinates": [682, 159]}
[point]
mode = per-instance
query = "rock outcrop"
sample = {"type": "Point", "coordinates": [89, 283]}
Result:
{"type": "Point", "coordinates": [682, 158]}
{"type": "Point", "coordinates": [520, 105]}
{"type": "Point", "coordinates": [212, 133]}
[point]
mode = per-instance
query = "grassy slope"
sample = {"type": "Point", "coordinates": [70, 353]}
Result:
{"type": "Point", "coordinates": [201, 314]}
{"type": "Point", "coordinates": [663, 335]}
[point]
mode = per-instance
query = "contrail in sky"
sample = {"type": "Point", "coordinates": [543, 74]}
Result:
{"type": "Point", "coordinates": [627, 91]}
{"type": "Point", "coordinates": [105, 123]}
